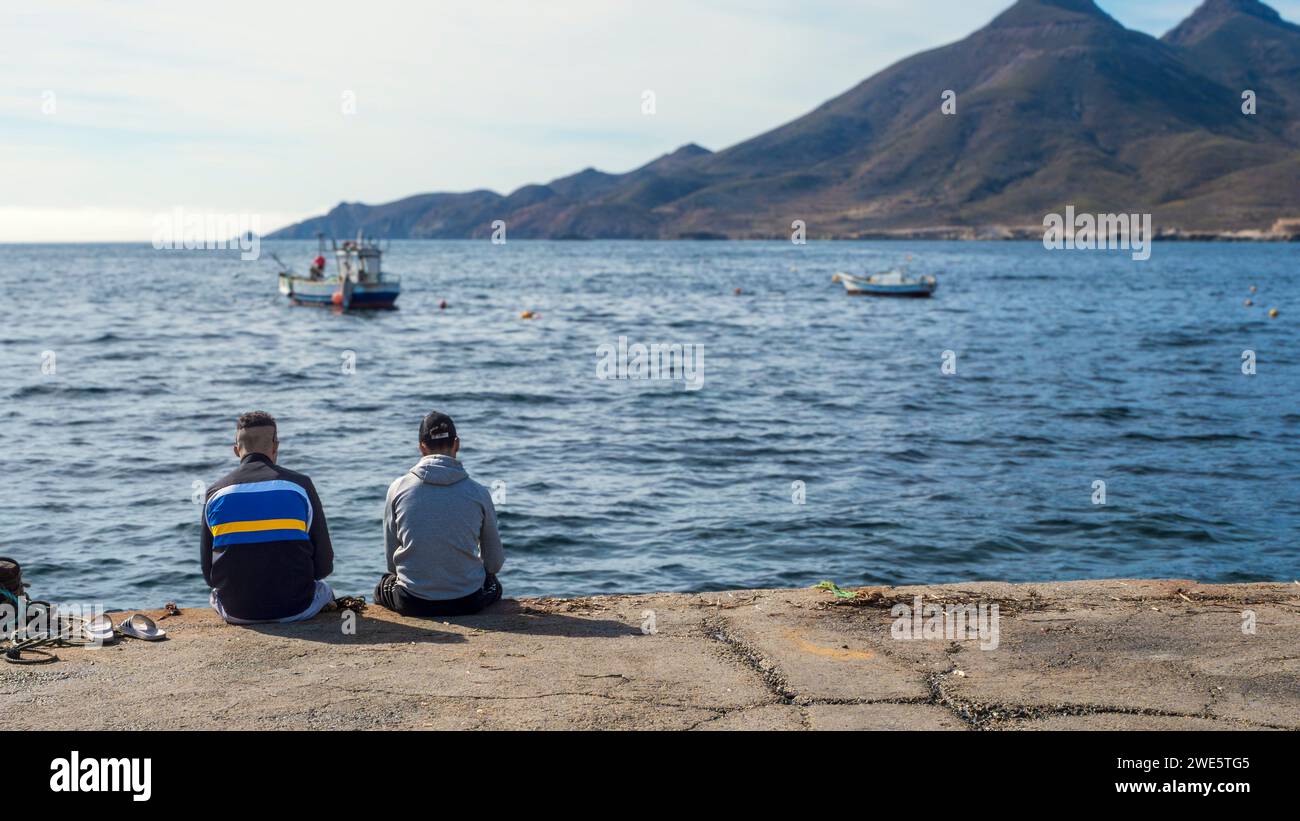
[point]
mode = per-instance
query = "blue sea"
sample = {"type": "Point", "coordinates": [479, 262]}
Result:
{"type": "Point", "coordinates": [825, 441]}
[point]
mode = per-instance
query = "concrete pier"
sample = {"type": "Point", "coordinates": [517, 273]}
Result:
{"type": "Point", "coordinates": [1078, 655]}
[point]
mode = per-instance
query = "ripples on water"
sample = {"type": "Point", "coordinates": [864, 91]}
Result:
{"type": "Point", "coordinates": [1072, 367]}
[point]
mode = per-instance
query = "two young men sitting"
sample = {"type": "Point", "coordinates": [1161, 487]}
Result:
{"type": "Point", "coordinates": [265, 545]}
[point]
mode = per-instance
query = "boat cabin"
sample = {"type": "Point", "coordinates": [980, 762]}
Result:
{"type": "Point", "coordinates": [359, 260]}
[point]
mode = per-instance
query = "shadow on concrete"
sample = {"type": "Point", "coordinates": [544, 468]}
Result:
{"type": "Point", "coordinates": [506, 616]}
{"type": "Point", "coordinates": [509, 616]}
{"type": "Point", "coordinates": [327, 628]}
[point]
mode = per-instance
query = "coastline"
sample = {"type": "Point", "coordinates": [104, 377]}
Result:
{"type": "Point", "coordinates": [957, 233]}
{"type": "Point", "coordinates": [940, 234]}
{"type": "Point", "coordinates": [1119, 654]}
{"type": "Point", "coordinates": [1035, 234]}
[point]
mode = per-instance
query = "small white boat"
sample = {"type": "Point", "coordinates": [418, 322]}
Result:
{"type": "Point", "coordinates": [888, 283]}
{"type": "Point", "coordinates": [359, 284]}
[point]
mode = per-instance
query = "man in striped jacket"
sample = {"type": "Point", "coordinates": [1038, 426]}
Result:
{"type": "Point", "coordinates": [265, 546]}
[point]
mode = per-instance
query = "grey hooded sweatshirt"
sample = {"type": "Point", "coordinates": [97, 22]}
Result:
{"type": "Point", "coordinates": [440, 531]}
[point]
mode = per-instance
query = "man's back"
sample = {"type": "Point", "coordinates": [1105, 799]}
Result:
{"type": "Point", "coordinates": [440, 531]}
{"type": "Point", "coordinates": [265, 541]}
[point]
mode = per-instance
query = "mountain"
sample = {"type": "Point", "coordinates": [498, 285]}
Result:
{"type": "Point", "coordinates": [1057, 104]}
{"type": "Point", "coordinates": [1244, 44]}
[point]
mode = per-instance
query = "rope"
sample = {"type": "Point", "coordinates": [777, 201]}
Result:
{"type": "Point", "coordinates": [21, 650]}
{"type": "Point", "coordinates": [14, 655]}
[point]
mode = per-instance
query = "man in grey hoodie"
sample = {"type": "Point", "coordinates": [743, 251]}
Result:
{"type": "Point", "coordinates": [440, 533]}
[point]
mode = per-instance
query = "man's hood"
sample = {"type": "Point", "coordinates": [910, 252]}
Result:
{"type": "Point", "coordinates": [439, 470]}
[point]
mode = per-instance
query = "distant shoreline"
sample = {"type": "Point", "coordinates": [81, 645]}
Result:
{"type": "Point", "coordinates": [982, 235]}
{"type": "Point", "coordinates": [942, 233]}
{"type": "Point", "coordinates": [925, 235]}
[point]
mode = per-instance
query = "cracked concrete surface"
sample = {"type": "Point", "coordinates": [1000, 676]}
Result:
{"type": "Point", "coordinates": [1078, 655]}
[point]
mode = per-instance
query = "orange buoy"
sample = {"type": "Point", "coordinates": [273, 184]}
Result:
{"type": "Point", "coordinates": [1272, 313]}
{"type": "Point", "coordinates": [739, 292]}
{"type": "Point", "coordinates": [528, 315]}
{"type": "Point", "coordinates": [337, 299]}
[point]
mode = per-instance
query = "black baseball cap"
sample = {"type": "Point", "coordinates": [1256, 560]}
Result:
{"type": "Point", "coordinates": [437, 430]}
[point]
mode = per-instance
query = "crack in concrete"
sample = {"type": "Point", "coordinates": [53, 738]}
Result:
{"type": "Point", "coordinates": [991, 716]}
{"type": "Point", "coordinates": [530, 697]}
{"type": "Point", "coordinates": [723, 712]}
{"type": "Point", "coordinates": [974, 714]}
{"type": "Point", "coordinates": [717, 629]}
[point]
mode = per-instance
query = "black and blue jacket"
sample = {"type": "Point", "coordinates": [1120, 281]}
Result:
{"type": "Point", "coordinates": [265, 541]}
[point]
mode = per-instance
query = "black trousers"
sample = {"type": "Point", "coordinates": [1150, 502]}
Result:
{"type": "Point", "coordinates": [389, 594]}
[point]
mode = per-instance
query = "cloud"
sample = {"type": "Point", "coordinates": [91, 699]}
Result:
{"type": "Point", "coordinates": [240, 106]}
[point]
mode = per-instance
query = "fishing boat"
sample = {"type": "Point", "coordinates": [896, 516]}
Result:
{"type": "Point", "coordinates": [359, 282]}
{"type": "Point", "coordinates": [897, 283]}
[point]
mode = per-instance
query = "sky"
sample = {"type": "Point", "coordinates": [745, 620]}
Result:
{"type": "Point", "coordinates": [112, 113]}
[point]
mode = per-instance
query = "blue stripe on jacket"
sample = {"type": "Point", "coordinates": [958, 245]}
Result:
{"type": "Point", "coordinates": [257, 537]}
{"type": "Point", "coordinates": [258, 502]}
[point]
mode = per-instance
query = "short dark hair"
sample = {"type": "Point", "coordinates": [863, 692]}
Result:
{"type": "Point", "coordinates": [256, 432]}
{"type": "Point", "coordinates": [255, 419]}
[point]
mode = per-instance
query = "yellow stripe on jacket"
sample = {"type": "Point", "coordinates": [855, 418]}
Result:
{"type": "Point", "coordinates": [263, 524]}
